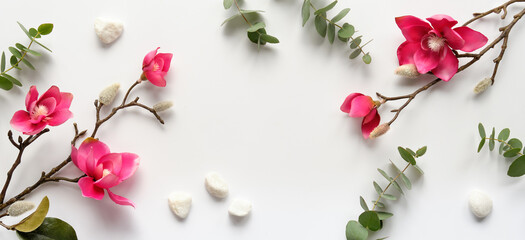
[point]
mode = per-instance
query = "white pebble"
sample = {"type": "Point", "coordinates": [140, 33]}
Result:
{"type": "Point", "coordinates": [20, 207]}
{"type": "Point", "coordinates": [480, 204]}
{"type": "Point", "coordinates": [180, 203]}
{"type": "Point", "coordinates": [216, 185]}
{"type": "Point", "coordinates": [108, 30]}
{"type": "Point", "coordinates": [240, 207]}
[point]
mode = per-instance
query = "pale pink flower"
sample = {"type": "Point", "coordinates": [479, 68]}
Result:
{"type": "Point", "coordinates": [430, 47]}
{"type": "Point", "coordinates": [155, 67]}
{"type": "Point", "coordinates": [358, 105]}
{"type": "Point", "coordinates": [104, 169]}
{"type": "Point", "coordinates": [52, 108]}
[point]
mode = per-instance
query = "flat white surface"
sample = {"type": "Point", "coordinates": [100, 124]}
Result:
{"type": "Point", "coordinates": [268, 120]}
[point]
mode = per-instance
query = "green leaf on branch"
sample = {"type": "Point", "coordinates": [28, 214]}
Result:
{"type": "Point", "coordinates": [340, 15]}
{"type": "Point", "coordinates": [34, 33]}
{"type": "Point", "coordinates": [255, 37]}
{"type": "Point", "coordinates": [231, 18]}
{"type": "Point", "coordinates": [404, 178]}
{"type": "Point", "coordinates": [355, 43]}
{"type": "Point", "coordinates": [367, 58]}
{"type": "Point", "coordinates": [378, 188]}
{"type": "Point", "coordinates": [331, 33]}
{"type": "Point", "coordinates": [512, 152]}
{"type": "Point", "coordinates": [51, 229]}
{"type": "Point", "coordinates": [517, 168]}
{"type": "Point", "coordinates": [15, 52]}
{"type": "Point", "coordinates": [481, 143]}
{"type": "Point", "coordinates": [346, 31]}
{"type": "Point", "coordinates": [45, 28]}
{"type": "Point", "coordinates": [33, 221]}
{"type": "Point", "coordinates": [420, 152]}
{"type": "Point", "coordinates": [481, 130]}
{"type": "Point", "coordinates": [28, 64]}
{"type": "Point", "coordinates": [384, 215]}
{"type": "Point", "coordinates": [305, 11]}
{"type": "Point", "coordinates": [504, 134]}
{"type": "Point", "coordinates": [355, 53]}
{"type": "Point", "coordinates": [389, 197]}
{"type": "Point", "coordinates": [13, 60]}
{"type": "Point", "coordinates": [379, 204]}
{"type": "Point", "coordinates": [325, 9]}
{"type": "Point", "coordinates": [363, 203]}
{"type": "Point", "coordinates": [5, 84]}
{"type": "Point", "coordinates": [419, 169]}
{"type": "Point", "coordinates": [12, 79]}
{"type": "Point", "coordinates": [502, 147]}
{"type": "Point", "coordinates": [269, 38]}
{"type": "Point", "coordinates": [370, 220]}
{"type": "Point", "coordinates": [406, 155]}
{"type": "Point", "coordinates": [2, 63]}
{"type": "Point", "coordinates": [320, 25]}
{"type": "Point", "coordinates": [34, 53]}
{"type": "Point", "coordinates": [515, 143]}
{"type": "Point", "coordinates": [227, 4]}
{"type": "Point", "coordinates": [411, 151]}
{"type": "Point", "coordinates": [25, 30]}
{"type": "Point", "coordinates": [256, 26]}
{"type": "Point", "coordinates": [492, 141]}
{"type": "Point", "coordinates": [20, 46]}
{"type": "Point", "coordinates": [356, 231]}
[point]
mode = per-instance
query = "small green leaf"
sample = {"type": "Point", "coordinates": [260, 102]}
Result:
{"type": "Point", "coordinates": [411, 151]}
{"type": "Point", "coordinates": [379, 204]}
{"type": "Point", "coordinates": [389, 197]}
{"type": "Point", "coordinates": [305, 11]}
{"type": "Point", "coordinates": [346, 31]}
{"type": "Point", "coordinates": [340, 15]}
{"type": "Point", "coordinates": [517, 168]}
{"type": "Point", "coordinates": [396, 186]}
{"type": "Point", "coordinates": [269, 38]}
{"type": "Point", "coordinates": [404, 178]}
{"type": "Point", "coordinates": [406, 155]}
{"type": "Point", "coordinates": [42, 45]}
{"type": "Point", "coordinates": [51, 229]}
{"type": "Point", "coordinates": [20, 46]}
{"type": "Point", "coordinates": [231, 18]}
{"type": "Point", "coordinates": [384, 215]}
{"type": "Point", "coordinates": [227, 4]}
{"type": "Point", "coordinates": [28, 64]}
{"type": "Point", "coordinates": [256, 26]}
{"type": "Point", "coordinates": [355, 231]}
{"type": "Point", "coordinates": [342, 39]}
{"type": "Point", "coordinates": [15, 52]}
{"type": "Point", "coordinates": [420, 152]}
{"type": "Point", "coordinates": [504, 134]}
{"type": "Point", "coordinates": [45, 28]}
{"type": "Point", "coordinates": [2, 63]}
{"type": "Point", "coordinates": [512, 152]}
{"type": "Point", "coordinates": [355, 43]}
{"type": "Point", "coordinates": [367, 58]}
{"type": "Point", "coordinates": [385, 175]}
{"type": "Point", "coordinates": [35, 53]}
{"type": "Point", "coordinates": [419, 169]}
{"type": "Point", "coordinates": [5, 84]}
{"type": "Point", "coordinates": [491, 141]}
{"type": "Point", "coordinates": [378, 188]}
{"type": "Point", "coordinates": [370, 220]}
{"type": "Point", "coordinates": [255, 36]}
{"type": "Point", "coordinates": [363, 203]}
{"type": "Point", "coordinates": [355, 53]}
{"type": "Point", "coordinates": [320, 25]}
{"type": "Point", "coordinates": [515, 143]}
{"type": "Point", "coordinates": [13, 60]}
{"type": "Point", "coordinates": [481, 143]}
{"type": "Point", "coordinates": [331, 33]}
{"type": "Point", "coordinates": [33, 221]}
{"type": "Point", "coordinates": [481, 130]}
{"type": "Point", "coordinates": [25, 30]}
{"type": "Point", "coordinates": [12, 79]}
{"type": "Point", "coordinates": [502, 147]}
{"type": "Point", "coordinates": [326, 9]}
{"type": "Point", "coordinates": [34, 33]}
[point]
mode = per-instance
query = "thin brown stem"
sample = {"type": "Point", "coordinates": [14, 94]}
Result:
{"type": "Point", "coordinates": [240, 12]}
{"type": "Point", "coordinates": [389, 184]}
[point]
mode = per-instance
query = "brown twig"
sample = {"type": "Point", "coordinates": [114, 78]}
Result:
{"type": "Point", "coordinates": [503, 37]}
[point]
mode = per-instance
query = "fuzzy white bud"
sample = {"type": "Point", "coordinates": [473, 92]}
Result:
{"type": "Point", "coordinates": [407, 70]}
{"type": "Point", "coordinates": [482, 85]}
{"type": "Point", "coordinates": [162, 106]}
{"type": "Point", "coordinates": [107, 95]}
{"type": "Point", "coordinates": [379, 130]}
{"type": "Point", "coordinates": [20, 207]}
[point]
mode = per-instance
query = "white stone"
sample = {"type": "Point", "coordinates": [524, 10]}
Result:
{"type": "Point", "coordinates": [240, 207]}
{"type": "Point", "coordinates": [480, 204]}
{"type": "Point", "coordinates": [108, 30]}
{"type": "Point", "coordinates": [216, 185]}
{"type": "Point", "coordinates": [180, 203]}
{"type": "Point", "coordinates": [20, 207]}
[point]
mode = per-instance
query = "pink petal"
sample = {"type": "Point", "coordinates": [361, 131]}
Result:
{"type": "Point", "coordinates": [156, 78]}
{"type": "Point", "coordinates": [65, 101]}
{"type": "Point", "coordinates": [36, 128]}
{"type": "Point", "coordinates": [37, 120]}
{"type": "Point", "coordinates": [90, 164]}
{"type": "Point", "coordinates": [78, 161]}
{"type": "Point", "coordinates": [108, 181]}
{"type": "Point", "coordinates": [441, 21]}
{"type": "Point", "coordinates": [119, 200]}
{"type": "Point", "coordinates": [89, 189]}
{"type": "Point", "coordinates": [454, 40]}
{"type": "Point", "coordinates": [31, 97]}
{"type": "Point", "coordinates": [99, 148]}
{"type": "Point", "coordinates": [347, 104]}
{"type": "Point", "coordinates": [48, 103]}
{"type": "Point", "coordinates": [406, 51]}
{"type": "Point", "coordinates": [59, 117]}
{"type": "Point", "coordinates": [52, 92]}
{"type": "Point", "coordinates": [425, 60]}
{"type": "Point", "coordinates": [447, 67]}
{"type": "Point", "coordinates": [130, 163]}
{"type": "Point", "coordinates": [112, 162]}
{"type": "Point", "coordinates": [166, 57]}
{"type": "Point", "coordinates": [473, 39]}
{"type": "Point", "coordinates": [415, 33]}
{"type": "Point", "coordinates": [370, 122]}
{"type": "Point", "coordinates": [21, 121]}
{"type": "Point", "coordinates": [410, 21]}
{"type": "Point", "coordinates": [361, 106]}
{"type": "Point", "coordinates": [149, 57]}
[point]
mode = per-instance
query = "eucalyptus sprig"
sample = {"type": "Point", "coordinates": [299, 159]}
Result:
{"type": "Point", "coordinates": [19, 54]}
{"type": "Point", "coordinates": [509, 149]}
{"type": "Point", "coordinates": [326, 27]}
{"type": "Point", "coordinates": [256, 31]}
{"type": "Point", "coordinates": [372, 219]}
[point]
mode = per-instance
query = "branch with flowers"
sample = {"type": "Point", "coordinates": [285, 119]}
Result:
{"type": "Point", "coordinates": [101, 168]}
{"type": "Point", "coordinates": [435, 49]}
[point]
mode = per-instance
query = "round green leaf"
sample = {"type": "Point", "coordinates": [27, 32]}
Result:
{"type": "Point", "coordinates": [254, 36]}
{"type": "Point", "coordinates": [355, 53]}
{"type": "Point", "coordinates": [256, 26]}
{"type": "Point", "coordinates": [515, 143]}
{"type": "Point", "coordinates": [504, 134]}
{"type": "Point", "coordinates": [51, 229]}
{"type": "Point", "coordinates": [320, 25]}
{"type": "Point", "coordinates": [346, 31]}
{"type": "Point", "coordinates": [45, 28]}
{"type": "Point", "coordinates": [305, 11]}
{"type": "Point", "coordinates": [5, 83]}
{"type": "Point", "coordinates": [34, 33]}
{"type": "Point", "coordinates": [420, 152]}
{"type": "Point", "coordinates": [227, 3]}
{"type": "Point", "coordinates": [406, 155]}
{"type": "Point", "coordinates": [367, 58]}
{"type": "Point", "coordinates": [370, 220]}
{"type": "Point", "coordinates": [481, 130]}
{"type": "Point", "coordinates": [517, 168]}
{"type": "Point", "coordinates": [355, 231]}
{"type": "Point", "coordinates": [355, 43]}
{"type": "Point", "coordinates": [33, 221]}
{"type": "Point", "coordinates": [512, 152]}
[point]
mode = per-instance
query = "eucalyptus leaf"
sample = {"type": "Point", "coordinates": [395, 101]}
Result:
{"type": "Point", "coordinates": [504, 134]}
{"type": "Point", "coordinates": [384, 215]}
{"type": "Point", "coordinates": [231, 18]}
{"type": "Point", "coordinates": [255, 36]}
{"type": "Point", "coordinates": [355, 43]}
{"type": "Point", "coordinates": [5, 84]}
{"type": "Point", "coordinates": [331, 33]}
{"type": "Point", "coordinates": [370, 220]}
{"type": "Point", "coordinates": [481, 130]}
{"type": "Point", "coordinates": [25, 30]}
{"type": "Point", "coordinates": [28, 64]}
{"type": "Point", "coordinates": [356, 231]}
{"type": "Point", "coordinates": [406, 155]}
{"type": "Point", "coordinates": [35, 53]}
{"type": "Point", "coordinates": [227, 4]}
{"type": "Point", "coordinates": [33, 221]}
{"type": "Point", "coordinates": [355, 53]}
{"type": "Point", "coordinates": [420, 152]}
{"type": "Point", "coordinates": [396, 186]}
{"type": "Point", "coordinates": [491, 141]}
{"type": "Point", "coordinates": [367, 58]}
{"type": "Point", "coordinates": [385, 175]}
{"type": "Point", "coordinates": [250, 11]}
{"type": "Point", "coordinates": [411, 151]}
{"type": "Point", "coordinates": [346, 31]}
{"type": "Point", "coordinates": [34, 33]}
{"type": "Point", "coordinates": [15, 52]}
{"type": "Point", "coordinates": [389, 197]}
{"type": "Point", "coordinates": [340, 15]}
{"type": "Point", "coordinates": [13, 60]}
{"type": "Point", "coordinates": [12, 79]}
{"type": "Point", "coordinates": [517, 168]}
{"type": "Point", "coordinates": [378, 188]}
{"type": "Point", "coordinates": [419, 169]}
{"type": "Point", "coordinates": [20, 47]}
{"type": "Point", "coordinates": [256, 26]}
{"type": "Point", "coordinates": [269, 38]}
{"type": "Point", "coordinates": [51, 229]}
{"type": "Point", "coordinates": [45, 28]}
{"type": "Point", "coordinates": [42, 45]}
{"type": "Point", "coordinates": [320, 25]}
{"type": "Point", "coordinates": [512, 152]}
{"type": "Point", "coordinates": [404, 178]}
{"type": "Point", "coordinates": [515, 143]}
{"type": "Point", "coordinates": [326, 9]}
{"type": "Point", "coordinates": [502, 147]}
{"type": "Point", "coordinates": [379, 204]}
{"type": "Point", "coordinates": [2, 63]}
{"type": "Point", "coordinates": [481, 143]}
{"type": "Point", "coordinates": [363, 203]}
{"type": "Point", "coordinates": [305, 11]}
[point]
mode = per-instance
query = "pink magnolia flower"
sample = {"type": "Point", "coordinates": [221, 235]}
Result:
{"type": "Point", "coordinates": [52, 108]}
{"type": "Point", "coordinates": [358, 105]}
{"type": "Point", "coordinates": [429, 47]}
{"type": "Point", "coordinates": [155, 67]}
{"type": "Point", "coordinates": [104, 169]}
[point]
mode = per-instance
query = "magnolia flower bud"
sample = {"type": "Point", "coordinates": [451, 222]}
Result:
{"type": "Point", "coordinates": [407, 70]}
{"type": "Point", "coordinates": [379, 130]}
{"type": "Point", "coordinates": [20, 207]}
{"type": "Point", "coordinates": [482, 85]}
{"type": "Point", "coordinates": [162, 106]}
{"type": "Point", "coordinates": [107, 95]}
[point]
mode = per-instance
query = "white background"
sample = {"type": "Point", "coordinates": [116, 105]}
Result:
{"type": "Point", "coordinates": [268, 120]}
